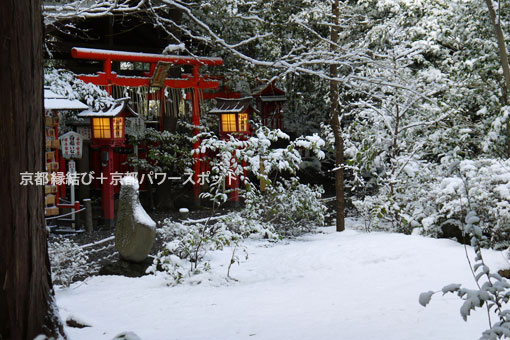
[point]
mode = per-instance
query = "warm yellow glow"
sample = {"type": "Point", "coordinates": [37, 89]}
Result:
{"type": "Point", "coordinates": [118, 127]}
{"type": "Point", "coordinates": [228, 122]}
{"type": "Point", "coordinates": [101, 128]}
{"type": "Point", "coordinates": [243, 122]}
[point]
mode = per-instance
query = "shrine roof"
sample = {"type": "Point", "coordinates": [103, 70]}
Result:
{"type": "Point", "coordinates": [120, 108]}
{"type": "Point", "coordinates": [266, 90]}
{"type": "Point", "coordinates": [232, 105]}
{"type": "Point", "coordinates": [53, 101]}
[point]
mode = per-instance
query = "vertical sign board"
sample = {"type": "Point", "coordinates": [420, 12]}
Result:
{"type": "Point", "coordinates": [71, 166]}
{"type": "Point", "coordinates": [71, 145]}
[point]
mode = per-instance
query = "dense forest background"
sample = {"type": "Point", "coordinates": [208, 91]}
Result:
{"type": "Point", "coordinates": [422, 97]}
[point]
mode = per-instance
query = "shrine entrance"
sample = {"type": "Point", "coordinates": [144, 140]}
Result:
{"type": "Point", "coordinates": [149, 85]}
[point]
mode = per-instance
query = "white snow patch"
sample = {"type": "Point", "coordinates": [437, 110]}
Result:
{"type": "Point", "coordinates": [351, 285]}
{"type": "Point", "coordinates": [77, 319]}
{"type": "Point", "coordinates": [142, 217]}
{"type": "Point", "coordinates": [451, 184]}
{"type": "Point", "coordinates": [427, 222]}
{"type": "Point", "coordinates": [129, 181]}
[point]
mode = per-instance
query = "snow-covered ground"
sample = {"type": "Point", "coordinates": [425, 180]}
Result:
{"type": "Point", "coordinates": [351, 285]}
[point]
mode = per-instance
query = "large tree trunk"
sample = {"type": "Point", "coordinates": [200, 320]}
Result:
{"type": "Point", "coordinates": [337, 129]}
{"type": "Point", "coordinates": [503, 58]}
{"type": "Point", "coordinates": [26, 297]}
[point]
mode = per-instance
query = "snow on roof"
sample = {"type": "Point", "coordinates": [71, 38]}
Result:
{"type": "Point", "coordinates": [273, 98]}
{"type": "Point", "coordinates": [50, 94]}
{"type": "Point", "coordinates": [232, 105]}
{"type": "Point", "coordinates": [53, 101]}
{"type": "Point", "coordinates": [119, 106]}
{"type": "Point", "coordinates": [100, 54]}
{"type": "Point", "coordinates": [124, 53]}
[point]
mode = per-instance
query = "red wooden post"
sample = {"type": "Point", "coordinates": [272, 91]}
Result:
{"type": "Point", "coordinates": [108, 72]}
{"type": "Point", "coordinates": [196, 146]}
{"type": "Point", "coordinates": [161, 96]}
{"type": "Point", "coordinates": [61, 189]}
{"type": "Point", "coordinates": [108, 131]}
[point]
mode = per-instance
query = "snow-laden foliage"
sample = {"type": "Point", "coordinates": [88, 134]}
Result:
{"type": "Point", "coordinates": [492, 291]}
{"type": "Point", "coordinates": [450, 49]}
{"type": "Point", "coordinates": [167, 151]}
{"type": "Point", "coordinates": [403, 205]}
{"type": "Point", "coordinates": [230, 157]}
{"type": "Point", "coordinates": [431, 199]}
{"type": "Point", "coordinates": [66, 83]}
{"type": "Point", "coordinates": [68, 261]}
{"type": "Point", "coordinates": [437, 100]}
{"type": "Point", "coordinates": [243, 224]}
{"type": "Point", "coordinates": [448, 44]}
{"type": "Point", "coordinates": [288, 207]}
{"type": "Point", "coordinates": [184, 255]}
{"type": "Point", "coordinates": [484, 186]}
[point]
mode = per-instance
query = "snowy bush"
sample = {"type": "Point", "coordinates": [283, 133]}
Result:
{"type": "Point", "coordinates": [234, 156]}
{"type": "Point", "coordinates": [484, 186]}
{"type": "Point", "coordinates": [433, 200]}
{"type": "Point", "coordinates": [68, 261]}
{"type": "Point", "coordinates": [492, 292]}
{"type": "Point", "coordinates": [245, 225]}
{"type": "Point", "coordinates": [291, 208]}
{"type": "Point", "coordinates": [185, 248]}
{"type": "Point", "coordinates": [400, 206]}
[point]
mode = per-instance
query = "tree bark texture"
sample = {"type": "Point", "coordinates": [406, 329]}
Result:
{"type": "Point", "coordinates": [26, 296]}
{"type": "Point", "coordinates": [337, 129]}
{"type": "Point", "coordinates": [503, 58]}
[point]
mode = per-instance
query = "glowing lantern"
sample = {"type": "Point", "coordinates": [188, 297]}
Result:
{"type": "Point", "coordinates": [109, 131]}
{"type": "Point", "coordinates": [109, 127]}
{"type": "Point", "coordinates": [234, 115]}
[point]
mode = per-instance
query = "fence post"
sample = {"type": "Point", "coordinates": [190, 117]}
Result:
{"type": "Point", "coordinates": [88, 215]}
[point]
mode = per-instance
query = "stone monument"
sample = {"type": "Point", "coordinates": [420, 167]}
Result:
{"type": "Point", "coordinates": [135, 231]}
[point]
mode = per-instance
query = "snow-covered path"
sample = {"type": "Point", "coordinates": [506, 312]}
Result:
{"type": "Point", "coordinates": [349, 285]}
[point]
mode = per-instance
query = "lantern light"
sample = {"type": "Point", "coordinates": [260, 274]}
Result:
{"type": "Point", "coordinates": [234, 115]}
{"type": "Point", "coordinates": [109, 127]}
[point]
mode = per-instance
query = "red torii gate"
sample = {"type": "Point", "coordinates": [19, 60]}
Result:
{"type": "Point", "coordinates": [195, 81]}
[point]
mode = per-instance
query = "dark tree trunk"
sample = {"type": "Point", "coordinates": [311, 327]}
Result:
{"type": "Point", "coordinates": [503, 58]}
{"type": "Point", "coordinates": [26, 297]}
{"type": "Point", "coordinates": [337, 129]}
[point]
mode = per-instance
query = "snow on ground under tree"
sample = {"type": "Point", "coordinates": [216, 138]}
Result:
{"type": "Point", "coordinates": [351, 285]}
